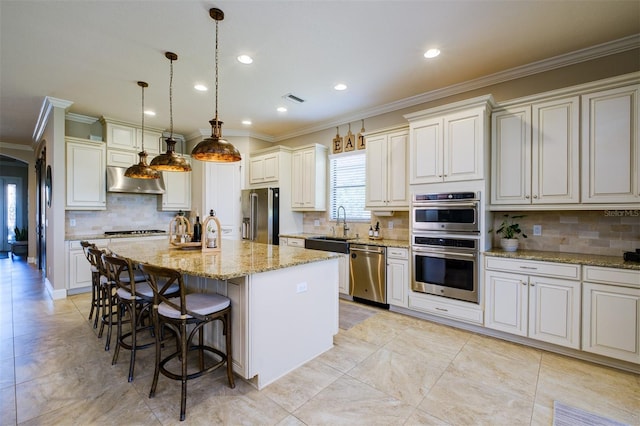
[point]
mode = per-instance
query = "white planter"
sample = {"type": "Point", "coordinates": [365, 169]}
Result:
{"type": "Point", "coordinates": [509, 244]}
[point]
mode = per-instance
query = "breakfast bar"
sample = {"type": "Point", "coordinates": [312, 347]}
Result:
{"type": "Point", "coordinates": [284, 299]}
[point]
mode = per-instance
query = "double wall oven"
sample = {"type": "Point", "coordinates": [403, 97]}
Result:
{"type": "Point", "coordinates": [445, 240]}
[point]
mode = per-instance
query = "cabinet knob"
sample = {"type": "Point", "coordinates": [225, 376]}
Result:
{"type": "Point", "coordinates": [526, 196]}
{"type": "Point", "coordinates": [535, 196]}
{"type": "Point", "coordinates": [523, 283]}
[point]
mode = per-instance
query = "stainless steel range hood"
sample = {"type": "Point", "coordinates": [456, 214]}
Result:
{"type": "Point", "coordinates": [118, 182]}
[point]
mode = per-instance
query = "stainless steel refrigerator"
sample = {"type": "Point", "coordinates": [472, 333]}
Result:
{"type": "Point", "coordinates": [260, 218]}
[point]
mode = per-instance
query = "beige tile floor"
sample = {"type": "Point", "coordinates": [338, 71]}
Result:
{"type": "Point", "coordinates": [387, 370]}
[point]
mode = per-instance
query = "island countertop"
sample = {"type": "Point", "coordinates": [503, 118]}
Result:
{"type": "Point", "coordinates": [236, 258]}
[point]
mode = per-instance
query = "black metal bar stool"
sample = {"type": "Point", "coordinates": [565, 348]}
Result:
{"type": "Point", "coordinates": [194, 309]}
{"type": "Point", "coordinates": [95, 281]}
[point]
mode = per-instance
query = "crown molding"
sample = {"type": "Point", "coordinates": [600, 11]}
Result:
{"type": "Point", "coordinates": [47, 105]}
{"type": "Point", "coordinates": [231, 132]}
{"type": "Point", "coordinates": [575, 57]}
{"type": "Point", "coordinates": [79, 118]}
{"type": "Point", "coordinates": [7, 145]}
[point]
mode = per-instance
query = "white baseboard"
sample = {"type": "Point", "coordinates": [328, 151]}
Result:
{"type": "Point", "coordinates": [55, 294]}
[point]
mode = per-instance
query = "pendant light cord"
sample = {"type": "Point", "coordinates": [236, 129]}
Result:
{"type": "Point", "coordinates": [217, 124]}
{"type": "Point", "coordinates": [171, 100]}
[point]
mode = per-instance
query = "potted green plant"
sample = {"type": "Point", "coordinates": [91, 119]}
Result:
{"type": "Point", "coordinates": [509, 231]}
{"type": "Point", "coordinates": [20, 246]}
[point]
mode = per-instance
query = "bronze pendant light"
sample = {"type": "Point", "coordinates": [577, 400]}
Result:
{"type": "Point", "coordinates": [170, 161]}
{"type": "Point", "coordinates": [214, 148]}
{"type": "Point", "coordinates": [142, 170]}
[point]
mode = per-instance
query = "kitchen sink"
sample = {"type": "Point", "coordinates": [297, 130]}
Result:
{"type": "Point", "coordinates": [327, 243]}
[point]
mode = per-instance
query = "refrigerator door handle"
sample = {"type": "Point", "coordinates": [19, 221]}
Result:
{"type": "Point", "coordinates": [253, 217]}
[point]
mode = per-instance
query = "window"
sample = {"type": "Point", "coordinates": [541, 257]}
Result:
{"type": "Point", "coordinates": [347, 175]}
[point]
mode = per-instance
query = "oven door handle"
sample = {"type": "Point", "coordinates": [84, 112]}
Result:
{"type": "Point", "coordinates": [445, 253]}
{"type": "Point", "coordinates": [445, 204]}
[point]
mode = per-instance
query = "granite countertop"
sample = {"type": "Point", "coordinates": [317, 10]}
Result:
{"type": "Point", "coordinates": [574, 258]}
{"type": "Point", "coordinates": [384, 242]}
{"type": "Point", "coordinates": [236, 258]}
{"type": "Point", "coordinates": [90, 237]}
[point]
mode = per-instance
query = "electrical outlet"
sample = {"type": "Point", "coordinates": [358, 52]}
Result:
{"type": "Point", "coordinates": [316, 223]}
{"type": "Point", "coordinates": [537, 230]}
{"type": "Point", "coordinates": [301, 287]}
{"type": "Point", "coordinates": [72, 222]}
{"type": "Point", "coordinates": [390, 224]}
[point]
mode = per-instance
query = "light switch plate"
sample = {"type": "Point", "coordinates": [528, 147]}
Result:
{"type": "Point", "coordinates": [537, 230]}
{"type": "Point", "coordinates": [316, 223]}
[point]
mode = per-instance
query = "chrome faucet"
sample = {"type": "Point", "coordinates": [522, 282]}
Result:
{"type": "Point", "coordinates": [345, 228]}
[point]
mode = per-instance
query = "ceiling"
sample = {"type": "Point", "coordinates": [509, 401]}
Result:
{"type": "Point", "coordinates": [92, 53]}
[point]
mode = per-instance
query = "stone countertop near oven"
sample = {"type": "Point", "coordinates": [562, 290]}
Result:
{"type": "Point", "coordinates": [383, 242]}
{"type": "Point", "coordinates": [235, 259]}
{"type": "Point", "coordinates": [575, 258]}
{"type": "Point", "coordinates": [90, 237]}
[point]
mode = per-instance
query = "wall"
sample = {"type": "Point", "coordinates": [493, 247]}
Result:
{"type": "Point", "coordinates": [124, 212]}
{"type": "Point", "coordinates": [605, 232]}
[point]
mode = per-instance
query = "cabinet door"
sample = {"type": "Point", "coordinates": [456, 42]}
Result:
{"type": "Point", "coordinates": [425, 161]}
{"type": "Point", "coordinates": [343, 278]}
{"type": "Point", "coordinates": [151, 142]}
{"type": "Point", "coordinates": [297, 180]}
{"type": "Point", "coordinates": [554, 311]}
{"type": "Point", "coordinates": [121, 137]}
{"type": "Point", "coordinates": [271, 168]}
{"type": "Point", "coordinates": [263, 168]}
{"type": "Point", "coordinates": [555, 143]}
{"type": "Point", "coordinates": [511, 156]}
{"type": "Point", "coordinates": [610, 147]}
{"type": "Point", "coordinates": [506, 302]}
{"type": "Point", "coordinates": [256, 170]}
{"type": "Point", "coordinates": [464, 146]}
{"type": "Point", "coordinates": [376, 188]}
{"type": "Point", "coordinates": [397, 282]}
{"type": "Point", "coordinates": [397, 184]}
{"type": "Point", "coordinates": [611, 321]}
{"type": "Point", "coordinates": [177, 191]}
{"type": "Point", "coordinates": [222, 193]}
{"type": "Point", "coordinates": [118, 158]}
{"type": "Point", "coordinates": [85, 174]}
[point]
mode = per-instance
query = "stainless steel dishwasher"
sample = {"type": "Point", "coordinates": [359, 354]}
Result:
{"type": "Point", "coordinates": [368, 273]}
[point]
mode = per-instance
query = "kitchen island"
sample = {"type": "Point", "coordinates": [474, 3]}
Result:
{"type": "Point", "coordinates": [284, 299]}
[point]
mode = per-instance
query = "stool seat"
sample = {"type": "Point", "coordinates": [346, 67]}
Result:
{"type": "Point", "coordinates": [143, 291]}
{"type": "Point", "coordinates": [199, 303]}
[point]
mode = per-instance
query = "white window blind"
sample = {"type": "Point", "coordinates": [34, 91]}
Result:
{"type": "Point", "coordinates": [347, 186]}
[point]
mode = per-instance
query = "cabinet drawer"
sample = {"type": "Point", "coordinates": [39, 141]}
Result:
{"type": "Point", "coordinates": [547, 269]}
{"type": "Point", "coordinates": [444, 309]}
{"type": "Point", "coordinates": [75, 245]}
{"type": "Point", "coordinates": [624, 277]}
{"type": "Point", "coordinates": [397, 253]}
{"type": "Point", "coordinates": [295, 242]}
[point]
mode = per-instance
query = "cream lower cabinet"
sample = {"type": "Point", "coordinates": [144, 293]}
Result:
{"type": "Point", "coordinates": [611, 313]}
{"type": "Point", "coordinates": [78, 267]}
{"type": "Point", "coordinates": [387, 185]}
{"type": "Point", "coordinates": [536, 306]}
{"type": "Point", "coordinates": [611, 146]}
{"type": "Point", "coordinates": [397, 276]}
{"type": "Point", "coordinates": [535, 153]}
{"type": "Point", "coordinates": [85, 175]}
{"type": "Point", "coordinates": [344, 284]}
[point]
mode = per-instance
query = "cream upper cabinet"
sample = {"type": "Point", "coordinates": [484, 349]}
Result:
{"type": "Point", "coordinates": [177, 190]}
{"type": "Point", "coordinates": [526, 298]}
{"type": "Point", "coordinates": [387, 185]}
{"type": "Point", "coordinates": [309, 178]}
{"type": "Point", "coordinates": [128, 137]}
{"type": "Point", "coordinates": [449, 144]}
{"type": "Point", "coordinates": [264, 168]}
{"type": "Point", "coordinates": [610, 146]}
{"type": "Point", "coordinates": [611, 313]}
{"type": "Point", "coordinates": [535, 153]}
{"type": "Point", "coordinates": [85, 175]}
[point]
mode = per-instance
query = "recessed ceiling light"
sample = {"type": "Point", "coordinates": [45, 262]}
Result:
{"type": "Point", "coordinates": [245, 59]}
{"type": "Point", "coordinates": [282, 109]}
{"type": "Point", "coordinates": [340, 86]}
{"type": "Point", "coordinates": [200, 87]}
{"type": "Point", "coordinates": [431, 53]}
{"type": "Point", "coordinates": [149, 112]}
{"type": "Point", "coordinates": [246, 122]}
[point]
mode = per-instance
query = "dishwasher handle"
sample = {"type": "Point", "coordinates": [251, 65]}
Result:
{"type": "Point", "coordinates": [367, 249]}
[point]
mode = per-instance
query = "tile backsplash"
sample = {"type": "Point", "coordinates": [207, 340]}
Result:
{"type": "Point", "coordinates": [125, 212]}
{"type": "Point", "coordinates": [326, 226]}
{"type": "Point", "coordinates": [605, 232]}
